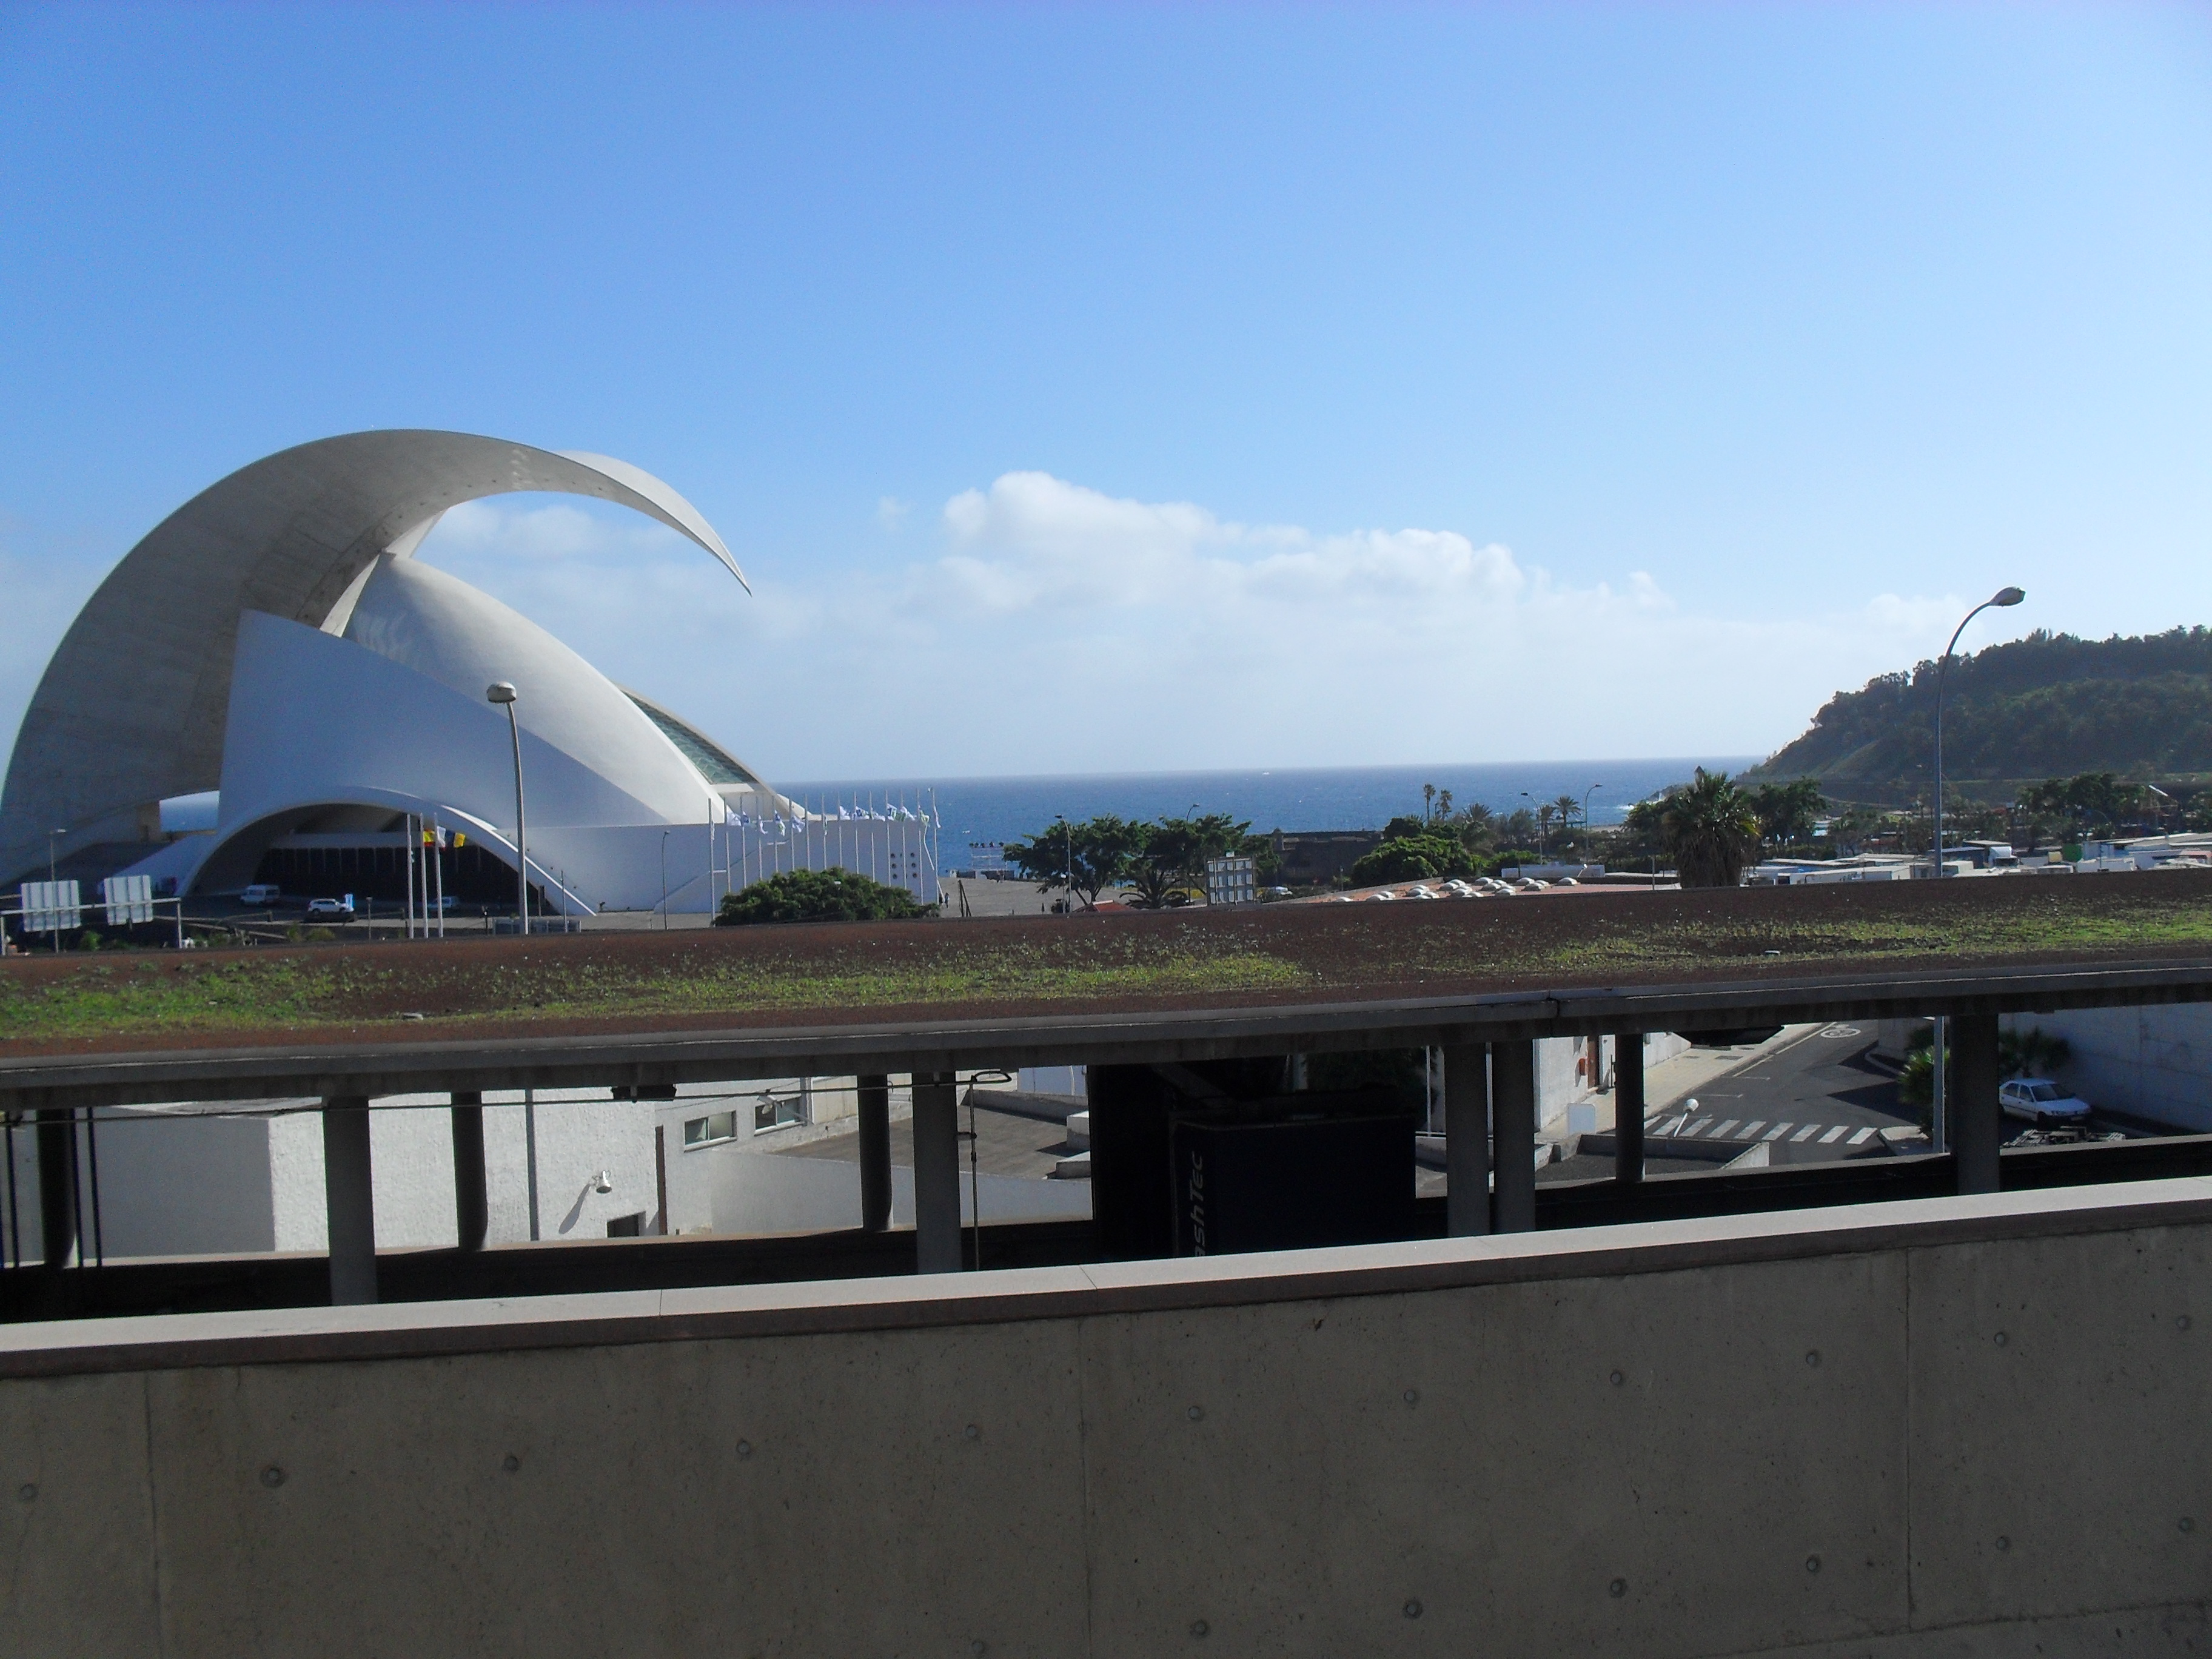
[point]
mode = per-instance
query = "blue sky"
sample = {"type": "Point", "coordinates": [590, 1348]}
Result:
{"type": "Point", "coordinates": [1150, 387]}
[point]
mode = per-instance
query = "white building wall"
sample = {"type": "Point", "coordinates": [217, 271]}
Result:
{"type": "Point", "coordinates": [2153, 1063]}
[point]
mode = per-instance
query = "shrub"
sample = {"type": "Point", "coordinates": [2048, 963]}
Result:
{"type": "Point", "coordinates": [819, 895]}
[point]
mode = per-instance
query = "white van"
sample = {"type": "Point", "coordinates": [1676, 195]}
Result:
{"type": "Point", "coordinates": [261, 892]}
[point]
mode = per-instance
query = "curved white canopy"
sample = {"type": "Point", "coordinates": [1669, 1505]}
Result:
{"type": "Point", "coordinates": [131, 707]}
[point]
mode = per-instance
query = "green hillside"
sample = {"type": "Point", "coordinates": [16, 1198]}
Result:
{"type": "Point", "coordinates": [2048, 706]}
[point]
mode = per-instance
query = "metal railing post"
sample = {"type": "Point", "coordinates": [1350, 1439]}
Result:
{"type": "Point", "coordinates": [1977, 1120]}
{"type": "Point", "coordinates": [349, 1198]}
{"type": "Point", "coordinates": [936, 1173]}
{"type": "Point", "coordinates": [875, 1114]}
{"type": "Point", "coordinates": [1466, 1139]}
{"type": "Point", "coordinates": [471, 1202]}
{"type": "Point", "coordinates": [1513, 1110]}
{"type": "Point", "coordinates": [1628, 1107]}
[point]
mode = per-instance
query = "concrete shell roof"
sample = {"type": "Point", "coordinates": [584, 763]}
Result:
{"type": "Point", "coordinates": [131, 707]}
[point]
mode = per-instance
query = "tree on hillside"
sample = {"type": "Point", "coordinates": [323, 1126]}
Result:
{"type": "Point", "coordinates": [2047, 705]}
{"type": "Point", "coordinates": [1787, 811]}
{"type": "Point", "coordinates": [1096, 853]}
{"type": "Point", "coordinates": [819, 895]}
{"type": "Point", "coordinates": [1712, 830]}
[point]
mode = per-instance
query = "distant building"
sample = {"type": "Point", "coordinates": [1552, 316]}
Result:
{"type": "Point", "coordinates": [271, 689]}
{"type": "Point", "coordinates": [1230, 881]}
{"type": "Point", "coordinates": [1314, 858]}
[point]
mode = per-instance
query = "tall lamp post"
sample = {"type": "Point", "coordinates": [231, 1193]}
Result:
{"type": "Point", "coordinates": [2004, 597]}
{"type": "Point", "coordinates": [502, 693]}
{"type": "Point", "coordinates": [53, 889]}
{"type": "Point", "coordinates": [1587, 793]}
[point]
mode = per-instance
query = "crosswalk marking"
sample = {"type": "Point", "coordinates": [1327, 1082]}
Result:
{"type": "Point", "coordinates": [1670, 1124]}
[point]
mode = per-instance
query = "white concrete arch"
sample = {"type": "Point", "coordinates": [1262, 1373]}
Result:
{"type": "Point", "coordinates": [131, 708]}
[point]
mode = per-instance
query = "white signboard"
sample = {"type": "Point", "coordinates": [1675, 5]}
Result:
{"type": "Point", "coordinates": [50, 907]}
{"type": "Point", "coordinates": [129, 899]}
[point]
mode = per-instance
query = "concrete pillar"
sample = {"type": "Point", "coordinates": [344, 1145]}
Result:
{"type": "Point", "coordinates": [57, 1187]}
{"type": "Point", "coordinates": [875, 1102]}
{"type": "Point", "coordinates": [1977, 1122]}
{"type": "Point", "coordinates": [471, 1203]}
{"type": "Point", "coordinates": [1628, 1108]}
{"type": "Point", "coordinates": [936, 1173]}
{"type": "Point", "coordinates": [350, 1196]}
{"type": "Point", "coordinates": [1513, 1114]}
{"type": "Point", "coordinates": [1466, 1139]}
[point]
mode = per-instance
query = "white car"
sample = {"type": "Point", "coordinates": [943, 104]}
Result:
{"type": "Point", "coordinates": [2041, 1100]}
{"type": "Point", "coordinates": [331, 907]}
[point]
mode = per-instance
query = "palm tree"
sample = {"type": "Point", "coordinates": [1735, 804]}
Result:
{"type": "Point", "coordinates": [1712, 830]}
{"type": "Point", "coordinates": [1568, 809]}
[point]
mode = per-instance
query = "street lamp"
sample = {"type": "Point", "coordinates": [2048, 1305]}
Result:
{"type": "Point", "coordinates": [1587, 793]}
{"type": "Point", "coordinates": [2003, 597]}
{"type": "Point", "coordinates": [1539, 816]}
{"type": "Point", "coordinates": [663, 881]}
{"type": "Point", "coordinates": [502, 693]}
{"type": "Point", "coordinates": [53, 890]}
{"type": "Point", "coordinates": [1939, 1115]}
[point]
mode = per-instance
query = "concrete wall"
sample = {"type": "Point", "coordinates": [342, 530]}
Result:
{"type": "Point", "coordinates": [1964, 1427]}
{"type": "Point", "coordinates": [2153, 1063]}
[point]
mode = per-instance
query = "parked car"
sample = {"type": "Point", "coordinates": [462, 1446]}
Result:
{"type": "Point", "coordinates": [2041, 1100]}
{"type": "Point", "coordinates": [261, 892]}
{"type": "Point", "coordinates": [342, 908]}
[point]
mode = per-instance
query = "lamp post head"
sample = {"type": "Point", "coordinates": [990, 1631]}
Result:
{"type": "Point", "coordinates": [499, 691]}
{"type": "Point", "coordinates": [2009, 596]}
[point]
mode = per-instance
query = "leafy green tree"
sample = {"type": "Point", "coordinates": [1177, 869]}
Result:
{"type": "Point", "coordinates": [1413, 857]}
{"type": "Point", "coordinates": [1787, 811]}
{"type": "Point", "coordinates": [1097, 852]}
{"type": "Point", "coordinates": [1712, 830]}
{"type": "Point", "coordinates": [1171, 856]}
{"type": "Point", "coordinates": [819, 895]}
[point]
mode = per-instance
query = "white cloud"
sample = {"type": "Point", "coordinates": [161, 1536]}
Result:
{"type": "Point", "coordinates": [891, 512]}
{"type": "Point", "coordinates": [1058, 628]}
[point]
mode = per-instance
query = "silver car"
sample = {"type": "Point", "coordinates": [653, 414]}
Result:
{"type": "Point", "coordinates": [2041, 1100]}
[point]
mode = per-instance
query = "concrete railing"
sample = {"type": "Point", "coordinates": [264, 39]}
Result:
{"type": "Point", "coordinates": [1967, 1425]}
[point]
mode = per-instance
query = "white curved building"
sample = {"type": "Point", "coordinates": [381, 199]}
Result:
{"type": "Point", "coordinates": [275, 643]}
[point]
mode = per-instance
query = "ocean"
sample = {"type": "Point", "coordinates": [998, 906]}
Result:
{"type": "Point", "coordinates": [979, 813]}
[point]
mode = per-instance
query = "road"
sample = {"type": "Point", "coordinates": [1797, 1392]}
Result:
{"type": "Point", "coordinates": [1817, 1087]}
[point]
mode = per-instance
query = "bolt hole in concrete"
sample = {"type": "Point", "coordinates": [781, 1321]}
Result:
{"type": "Point", "coordinates": [1811, 1564]}
{"type": "Point", "coordinates": [1196, 1413]}
{"type": "Point", "coordinates": [1412, 1609]}
{"type": "Point", "coordinates": [1814, 1359]}
{"type": "Point", "coordinates": [744, 1449]}
{"type": "Point", "coordinates": [1197, 1627]}
{"type": "Point", "coordinates": [2001, 1338]}
{"type": "Point", "coordinates": [272, 1476]}
{"type": "Point", "coordinates": [1617, 1587]}
{"type": "Point", "coordinates": [1618, 1378]}
{"type": "Point", "coordinates": [973, 1432]}
{"type": "Point", "coordinates": [1413, 1396]}
{"type": "Point", "coordinates": [978, 1645]}
{"type": "Point", "coordinates": [510, 1462]}
{"type": "Point", "coordinates": [27, 1493]}
{"type": "Point", "coordinates": [2004, 1544]}
{"type": "Point", "coordinates": [2182, 1324]}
